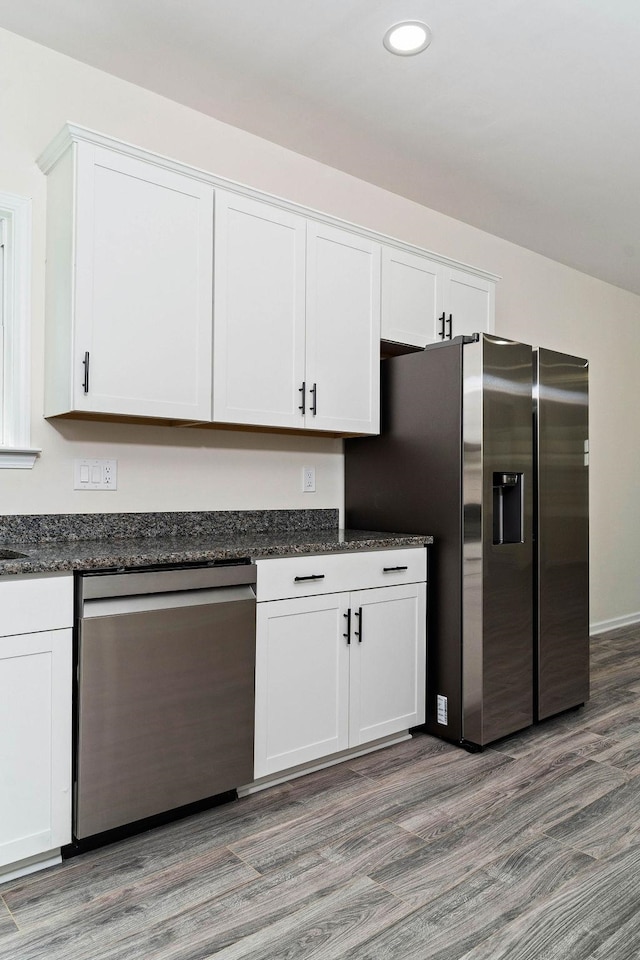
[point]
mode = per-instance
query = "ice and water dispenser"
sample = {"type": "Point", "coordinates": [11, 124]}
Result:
{"type": "Point", "coordinates": [508, 508]}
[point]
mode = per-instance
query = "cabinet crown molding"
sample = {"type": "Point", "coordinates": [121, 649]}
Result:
{"type": "Point", "coordinates": [74, 133]}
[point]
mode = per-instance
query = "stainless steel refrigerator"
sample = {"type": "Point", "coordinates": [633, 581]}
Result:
{"type": "Point", "coordinates": [455, 459]}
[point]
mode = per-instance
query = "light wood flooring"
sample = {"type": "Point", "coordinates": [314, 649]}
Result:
{"type": "Point", "coordinates": [528, 851]}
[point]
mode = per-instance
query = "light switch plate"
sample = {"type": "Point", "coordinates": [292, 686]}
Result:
{"type": "Point", "coordinates": [95, 474]}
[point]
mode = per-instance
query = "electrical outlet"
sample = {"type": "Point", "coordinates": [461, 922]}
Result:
{"type": "Point", "coordinates": [308, 479]}
{"type": "Point", "coordinates": [95, 474]}
{"type": "Point", "coordinates": [110, 474]}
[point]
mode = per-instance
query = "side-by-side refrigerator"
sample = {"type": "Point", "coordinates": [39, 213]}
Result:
{"type": "Point", "coordinates": [466, 425]}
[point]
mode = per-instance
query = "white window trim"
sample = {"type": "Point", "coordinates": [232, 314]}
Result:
{"type": "Point", "coordinates": [15, 450]}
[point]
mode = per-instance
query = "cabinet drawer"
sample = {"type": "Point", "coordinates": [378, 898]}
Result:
{"type": "Point", "coordinates": [35, 602]}
{"type": "Point", "coordinates": [285, 577]}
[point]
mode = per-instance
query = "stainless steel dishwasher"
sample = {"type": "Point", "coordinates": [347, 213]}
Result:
{"type": "Point", "coordinates": [165, 690]}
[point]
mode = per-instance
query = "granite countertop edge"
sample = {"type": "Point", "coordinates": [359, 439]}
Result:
{"type": "Point", "coordinates": [80, 555]}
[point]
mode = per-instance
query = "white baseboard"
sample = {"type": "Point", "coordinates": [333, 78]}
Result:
{"type": "Point", "coordinates": [614, 624]}
{"type": "Point", "coordinates": [274, 779]}
{"type": "Point", "coordinates": [24, 867]}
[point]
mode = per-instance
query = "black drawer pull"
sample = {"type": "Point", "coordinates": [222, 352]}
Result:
{"type": "Point", "coordinates": [85, 379]}
{"type": "Point", "coordinates": [393, 569]}
{"type": "Point", "coordinates": [347, 617]}
{"type": "Point", "coordinates": [314, 576]}
{"type": "Point", "coordinates": [358, 633]}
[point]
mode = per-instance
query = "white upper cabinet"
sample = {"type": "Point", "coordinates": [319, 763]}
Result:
{"type": "Point", "coordinates": [259, 297]}
{"type": "Point", "coordinates": [129, 279]}
{"type": "Point", "coordinates": [424, 301]}
{"type": "Point", "coordinates": [409, 297]}
{"type": "Point", "coordinates": [466, 304]}
{"type": "Point", "coordinates": [260, 313]}
{"type": "Point", "coordinates": [343, 331]}
{"type": "Point", "coordinates": [296, 321]}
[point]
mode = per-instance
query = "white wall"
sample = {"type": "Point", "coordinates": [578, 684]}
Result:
{"type": "Point", "coordinates": [166, 468]}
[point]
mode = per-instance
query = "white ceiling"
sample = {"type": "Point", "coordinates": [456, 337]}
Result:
{"type": "Point", "coordinates": [521, 118]}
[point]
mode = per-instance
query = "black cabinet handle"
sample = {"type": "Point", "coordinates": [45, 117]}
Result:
{"type": "Point", "coordinates": [450, 322]}
{"type": "Point", "coordinates": [314, 402]}
{"type": "Point", "coordinates": [347, 615]}
{"type": "Point", "coordinates": [85, 379]}
{"type": "Point", "coordinates": [358, 633]}
{"type": "Point", "coordinates": [441, 331]}
{"type": "Point", "coordinates": [303, 391]}
{"type": "Point", "coordinates": [393, 569]}
{"type": "Point", "coordinates": [314, 576]}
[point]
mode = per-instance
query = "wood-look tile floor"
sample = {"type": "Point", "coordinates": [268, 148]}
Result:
{"type": "Point", "coordinates": [528, 851]}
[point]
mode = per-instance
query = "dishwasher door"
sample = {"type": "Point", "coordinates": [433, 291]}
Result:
{"type": "Point", "coordinates": [165, 702]}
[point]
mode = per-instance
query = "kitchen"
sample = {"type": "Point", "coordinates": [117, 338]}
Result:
{"type": "Point", "coordinates": [167, 469]}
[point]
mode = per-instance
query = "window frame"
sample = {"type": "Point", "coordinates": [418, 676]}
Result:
{"type": "Point", "coordinates": [15, 414]}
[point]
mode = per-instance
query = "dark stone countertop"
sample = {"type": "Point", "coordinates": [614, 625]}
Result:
{"type": "Point", "coordinates": [135, 540]}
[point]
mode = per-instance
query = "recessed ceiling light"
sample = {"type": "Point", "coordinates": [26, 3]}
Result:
{"type": "Point", "coordinates": [407, 38]}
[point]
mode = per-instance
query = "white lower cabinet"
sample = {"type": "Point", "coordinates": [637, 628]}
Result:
{"type": "Point", "coordinates": [35, 720]}
{"type": "Point", "coordinates": [302, 681]}
{"type": "Point", "coordinates": [337, 670]}
{"type": "Point", "coordinates": [388, 661]}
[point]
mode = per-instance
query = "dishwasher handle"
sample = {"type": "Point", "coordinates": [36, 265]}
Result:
{"type": "Point", "coordinates": [145, 603]}
{"type": "Point", "coordinates": [171, 580]}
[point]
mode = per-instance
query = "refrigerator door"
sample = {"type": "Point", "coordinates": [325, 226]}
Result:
{"type": "Point", "coordinates": [497, 601]}
{"type": "Point", "coordinates": [562, 556]}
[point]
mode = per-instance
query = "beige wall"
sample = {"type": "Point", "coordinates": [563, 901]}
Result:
{"type": "Point", "coordinates": [163, 468]}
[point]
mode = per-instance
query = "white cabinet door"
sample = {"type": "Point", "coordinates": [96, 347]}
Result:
{"type": "Point", "coordinates": [259, 323]}
{"type": "Point", "coordinates": [302, 681]}
{"type": "Point", "coordinates": [338, 669]}
{"type": "Point", "coordinates": [467, 303]}
{"type": "Point", "coordinates": [424, 301]}
{"type": "Point", "coordinates": [296, 321]}
{"type": "Point", "coordinates": [35, 756]}
{"type": "Point", "coordinates": [409, 297]}
{"type": "Point", "coordinates": [388, 661]}
{"type": "Point", "coordinates": [343, 331]}
{"type": "Point", "coordinates": [143, 280]}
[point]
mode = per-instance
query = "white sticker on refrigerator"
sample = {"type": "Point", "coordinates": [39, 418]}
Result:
{"type": "Point", "coordinates": [442, 710]}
